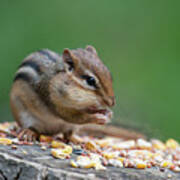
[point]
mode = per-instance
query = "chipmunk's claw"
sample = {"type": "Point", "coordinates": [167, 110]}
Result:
{"type": "Point", "coordinates": [27, 135]}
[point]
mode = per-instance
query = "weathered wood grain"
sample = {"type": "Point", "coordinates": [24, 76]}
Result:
{"type": "Point", "coordinates": [31, 163]}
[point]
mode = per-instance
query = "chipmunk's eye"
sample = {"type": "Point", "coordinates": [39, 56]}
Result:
{"type": "Point", "coordinates": [71, 65]}
{"type": "Point", "coordinates": [90, 80]}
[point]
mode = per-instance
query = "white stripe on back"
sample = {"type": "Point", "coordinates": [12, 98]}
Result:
{"type": "Point", "coordinates": [28, 70]}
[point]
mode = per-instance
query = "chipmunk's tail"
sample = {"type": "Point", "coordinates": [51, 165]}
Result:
{"type": "Point", "coordinates": [110, 130]}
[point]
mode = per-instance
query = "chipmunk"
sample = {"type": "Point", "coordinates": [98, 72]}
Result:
{"type": "Point", "coordinates": [54, 93]}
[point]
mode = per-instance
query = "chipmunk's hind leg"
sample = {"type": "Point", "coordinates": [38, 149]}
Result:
{"type": "Point", "coordinates": [23, 118]}
{"type": "Point", "coordinates": [67, 136]}
{"type": "Point", "coordinates": [20, 102]}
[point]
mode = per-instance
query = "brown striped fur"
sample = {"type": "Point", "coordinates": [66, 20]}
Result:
{"type": "Point", "coordinates": [44, 122]}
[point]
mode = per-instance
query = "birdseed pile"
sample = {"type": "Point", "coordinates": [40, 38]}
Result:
{"type": "Point", "coordinates": [99, 153]}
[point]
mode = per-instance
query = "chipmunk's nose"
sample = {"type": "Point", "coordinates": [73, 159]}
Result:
{"type": "Point", "coordinates": [110, 101]}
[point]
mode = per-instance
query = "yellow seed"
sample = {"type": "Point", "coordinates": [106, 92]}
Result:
{"type": "Point", "coordinates": [90, 145]}
{"type": "Point", "coordinates": [67, 150]}
{"type": "Point", "coordinates": [109, 155]}
{"type": "Point", "coordinates": [103, 142]}
{"type": "Point", "coordinates": [124, 145]}
{"type": "Point", "coordinates": [141, 165]}
{"type": "Point", "coordinates": [88, 162]}
{"type": "Point", "coordinates": [57, 153]}
{"type": "Point", "coordinates": [149, 155]}
{"type": "Point", "coordinates": [166, 164]}
{"type": "Point", "coordinates": [142, 144]}
{"type": "Point", "coordinates": [5, 141]}
{"type": "Point", "coordinates": [115, 162]}
{"type": "Point", "coordinates": [171, 143]}
{"type": "Point", "coordinates": [46, 139]}
{"type": "Point", "coordinates": [57, 144]}
{"type": "Point", "coordinates": [4, 127]}
{"type": "Point", "coordinates": [99, 166]}
{"type": "Point", "coordinates": [73, 164]}
{"type": "Point", "coordinates": [157, 144]}
{"type": "Point", "coordinates": [91, 164]}
{"type": "Point", "coordinates": [121, 159]}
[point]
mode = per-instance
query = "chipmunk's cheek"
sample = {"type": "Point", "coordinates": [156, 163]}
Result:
{"type": "Point", "coordinates": [80, 99]}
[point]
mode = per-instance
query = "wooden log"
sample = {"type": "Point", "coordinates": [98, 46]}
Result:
{"type": "Point", "coordinates": [31, 163]}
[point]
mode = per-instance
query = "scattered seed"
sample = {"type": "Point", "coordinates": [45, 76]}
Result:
{"type": "Point", "coordinates": [97, 153]}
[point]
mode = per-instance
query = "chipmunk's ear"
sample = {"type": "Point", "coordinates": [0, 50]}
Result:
{"type": "Point", "coordinates": [91, 49]}
{"type": "Point", "coordinates": [71, 62]}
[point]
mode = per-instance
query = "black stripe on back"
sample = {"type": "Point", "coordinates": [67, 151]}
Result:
{"type": "Point", "coordinates": [31, 64]}
{"type": "Point", "coordinates": [46, 53]}
{"type": "Point", "coordinates": [22, 76]}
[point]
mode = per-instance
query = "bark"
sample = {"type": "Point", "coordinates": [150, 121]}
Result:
{"type": "Point", "coordinates": [31, 163]}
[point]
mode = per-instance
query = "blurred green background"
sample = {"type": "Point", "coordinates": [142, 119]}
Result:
{"type": "Point", "coordinates": [138, 40]}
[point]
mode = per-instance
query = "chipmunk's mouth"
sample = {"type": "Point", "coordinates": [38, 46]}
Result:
{"type": "Point", "coordinates": [99, 111]}
{"type": "Point", "coordinates": [100, 116]}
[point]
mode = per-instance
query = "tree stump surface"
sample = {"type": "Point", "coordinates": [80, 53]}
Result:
{"type": "Point", "coordinates": [31, 162]}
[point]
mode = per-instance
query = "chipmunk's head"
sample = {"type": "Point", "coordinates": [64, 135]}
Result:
{"type": "Point", "coordinates": [87, 84]}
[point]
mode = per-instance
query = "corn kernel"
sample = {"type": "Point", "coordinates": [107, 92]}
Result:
{"type": "Point", "coordinates": [67, 150]}
{"type": "Point", "coordinates": [57, 153]}
{"type": "Point", "coordinates": [121, 159]}
{"type": "Point", "coordinates": [57, 144]}
{"type": "Point", "coordinates": [158, 158]}
{"type": "Point", "coordinates": [73, 164]}
{"type": "Point", "coordinates": [157, 144]}
{"type": "Point", "coordinates": [165, 164]}
{"type": "Point", "coordinates": [141, 166]}
{"type": "Point", "coordinates": [90, 145]}
{"type": "Point", "coordinates": [116, 162]}
{"type": "Point", "coordinates": [141, 143]}
{"type": "Point", "coordinates": [176, 169]}
{"type": "Point", "coordinates": [91, 164]}
{"type": "Point", "coordinates": [5, 141]}
{"type": "Point", "coordinates": [124, 145]}
{"type": "Point", "coordinates": [171, 143]}
{"type": "Point", "coordinates": [99, 166]}
{"type": "Point", "coordinates": [46, 139]}
{"type": "Point", "coordinates": [85, 162]}
{"type": "Point", "coordinates": [102, 143]}
{"type": "Point", "coordinates": [95, 157]}
{"type": "Point", "coordinates": [62, 153]}
{"type": "Point", "coordinates": [109, 155]}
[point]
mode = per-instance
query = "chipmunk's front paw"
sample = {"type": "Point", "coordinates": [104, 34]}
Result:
{"type": "Point", "coordinates": [102, 121]}
{"type": "Point", "coordinates": [100, 118]}
{"type": "Point", "coordinates": [27, 135]}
